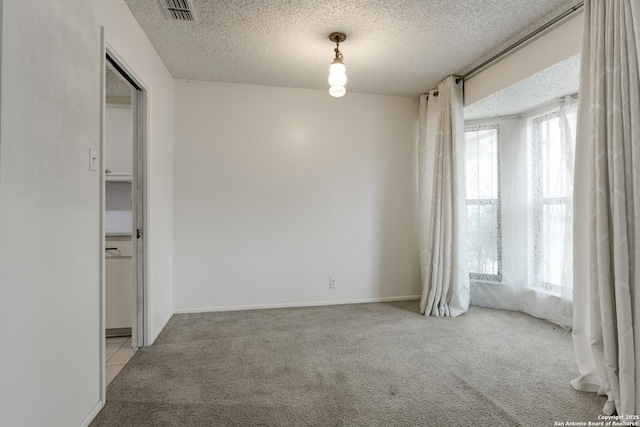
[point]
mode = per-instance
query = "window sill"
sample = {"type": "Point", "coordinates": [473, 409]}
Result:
{"type": "Point", "coordinates": [488, 282]}
{"type": "Point", "coordinates": [546, 292]}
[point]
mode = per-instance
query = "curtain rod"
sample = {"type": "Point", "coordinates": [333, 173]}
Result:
{"type": "Point", "coordinates": [436, 92]}
{"type": "Point", "coordinates": [522, 40]}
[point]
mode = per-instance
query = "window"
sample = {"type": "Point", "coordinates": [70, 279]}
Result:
{"type": "Point", "coordinates": [552, 172]}
{"type": "Point", "coordinates": [482, 170]}
{"type": "Point", "coordinates": [519, 210]}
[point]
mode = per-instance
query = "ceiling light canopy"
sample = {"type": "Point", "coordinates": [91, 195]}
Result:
{"type": "Point", "coordinates": [337, 70]}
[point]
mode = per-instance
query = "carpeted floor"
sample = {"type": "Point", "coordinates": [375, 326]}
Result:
{"type": "Point", "coordinates": [351, 365]}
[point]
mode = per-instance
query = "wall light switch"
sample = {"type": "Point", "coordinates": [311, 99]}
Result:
{"type": "Point", "coordinates": [93, 159]}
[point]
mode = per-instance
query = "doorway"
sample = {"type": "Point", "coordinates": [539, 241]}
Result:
{"type": "Point", "coordinates": [123, 213]}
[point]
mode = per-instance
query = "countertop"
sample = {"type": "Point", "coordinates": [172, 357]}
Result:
{"type": "Point", "coordinates": [117, 234]}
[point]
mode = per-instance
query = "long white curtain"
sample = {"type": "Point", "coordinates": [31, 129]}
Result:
{"type": "Point", "coordinates": [607, 207]}
{"type": "Point", "coordinates": [443, 240]}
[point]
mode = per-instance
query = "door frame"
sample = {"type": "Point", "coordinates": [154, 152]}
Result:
{"type": "Point", "coordinates": [140, 208]}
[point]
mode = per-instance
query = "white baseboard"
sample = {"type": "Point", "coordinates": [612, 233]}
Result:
{"type": "Point", "coordinates": [293, 304]}
{"type": "Point", "coordinates": [92, 414]}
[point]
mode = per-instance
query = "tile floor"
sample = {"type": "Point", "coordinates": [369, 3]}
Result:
{"type": "Point", "coordinates": [119, 352]}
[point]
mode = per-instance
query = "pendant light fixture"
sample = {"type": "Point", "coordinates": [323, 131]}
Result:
{"type": "Point", "coordinates": [337, 70]}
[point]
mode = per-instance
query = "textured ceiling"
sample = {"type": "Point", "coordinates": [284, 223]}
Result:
{"type": "Point", "coordinates": [393, 47]}
{"type": "Point", "coordinates": [555, 82]}
{"type": "Point", "coordinates": [115, 87]}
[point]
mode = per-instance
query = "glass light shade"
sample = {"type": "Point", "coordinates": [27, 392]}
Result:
{"type": "Point", "coordinates": [337, 79]}
{"type": "Point", "coordinates": [337, 91]}
{"type": "Point", "coordinates": [337, 67]}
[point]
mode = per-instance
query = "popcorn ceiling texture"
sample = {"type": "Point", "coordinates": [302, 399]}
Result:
{"type": "Point", "coordinates": [557, 81]}
{"type": "Point", "coordinates": [393, 47]}
{"type": "Point", "coordinates": [115, 86]}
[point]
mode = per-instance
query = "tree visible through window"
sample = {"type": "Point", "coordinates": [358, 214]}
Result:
{"type": "Point", "coordinates": [482, 171]}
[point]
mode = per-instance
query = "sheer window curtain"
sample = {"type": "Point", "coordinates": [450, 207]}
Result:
{"type": "Point", "coordinates": [551, 178]}
{"type": "Point", "coordinates": [536, 185]}
{"type": "Point", "coordinates": [607, 207]}
{"type": "Point", "coordinates": [568, 123]}
{"type": "Point", "coordinates": [512, 148]}
{"type": "Point", "coordinates": [443, 240]}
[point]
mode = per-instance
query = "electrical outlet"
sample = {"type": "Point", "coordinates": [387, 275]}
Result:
{"type": "Point", "coordinates": [332, 283]}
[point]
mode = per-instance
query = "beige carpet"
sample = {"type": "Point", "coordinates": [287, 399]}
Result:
{"type": "Point", "coordinates": [351, 365]}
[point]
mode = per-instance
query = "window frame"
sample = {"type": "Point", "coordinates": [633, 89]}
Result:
{"type": "Point", "coordinates": [497, 278]}
{"type": "Point", "coordinates": [539, 202]}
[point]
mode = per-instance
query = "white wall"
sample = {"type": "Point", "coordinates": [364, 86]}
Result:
{"type": "Point", "coordinates": [277, 189]}
{"type": "Point", "coordinates": [49, 217]}
{"type": "Point", "coordinates": [49, 199]}
{"type": "Point", "coordinates": [126, 38]}
{"type": "Point", "coordinates": [555, 45]}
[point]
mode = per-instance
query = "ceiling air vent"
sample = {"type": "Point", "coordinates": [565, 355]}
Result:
{"type": "Point", "coordinates": [179, 10]}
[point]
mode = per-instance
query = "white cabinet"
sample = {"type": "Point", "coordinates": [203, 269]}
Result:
{"type": "Point", "coordinates": [118, 143]}
{"type": "Point", "coordinates": [119, 282]}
